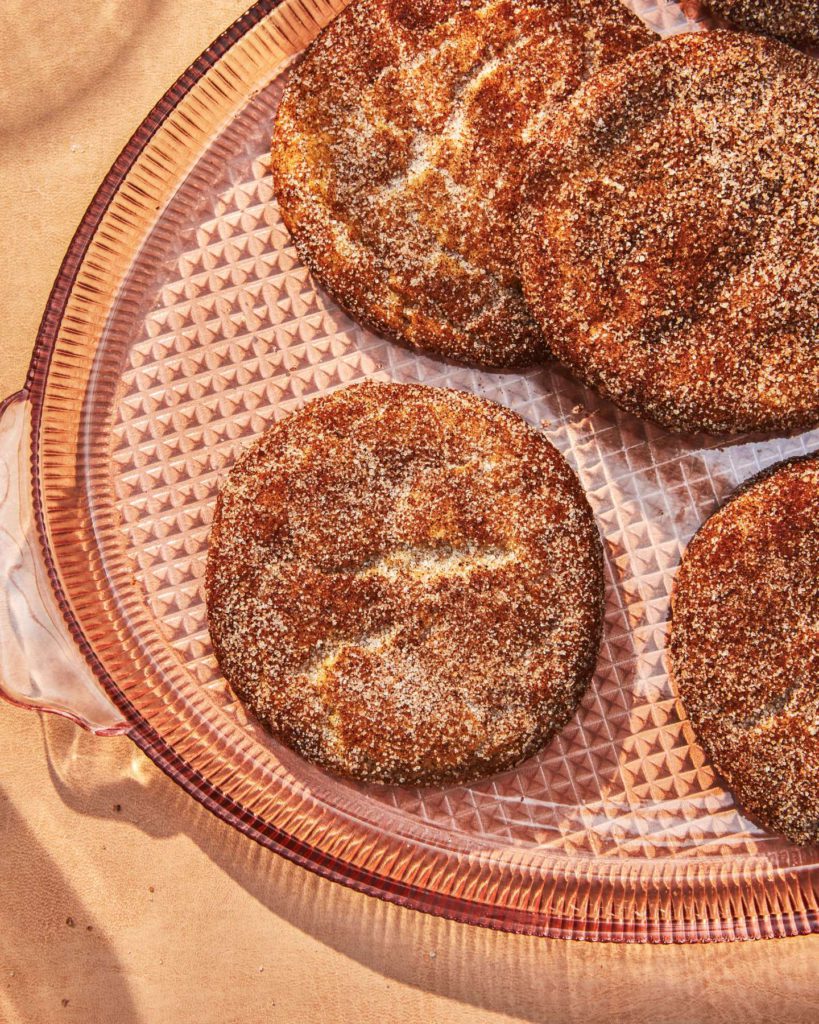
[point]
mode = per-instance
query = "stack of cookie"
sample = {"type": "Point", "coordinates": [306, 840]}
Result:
{"type": "Point", "coordinates": [406, 585]}
{"type": "Point", "coordinates": [494, 180]}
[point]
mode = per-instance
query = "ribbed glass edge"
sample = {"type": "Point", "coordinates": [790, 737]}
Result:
{"type": "Point", "coordinates": [646, 912]}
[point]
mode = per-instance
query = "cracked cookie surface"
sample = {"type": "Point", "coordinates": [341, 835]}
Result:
{"type": "Point", "coordinates": [745, 645]}
{"type": "Point", "coordinates": [397, 158]}
{"type": "Point", "coordinates": [405, 584]}
{"type": "Point", "coordinates": [670, 234]}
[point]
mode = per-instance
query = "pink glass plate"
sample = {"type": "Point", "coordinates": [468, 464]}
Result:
{"type": "Point", "coordinates": [181, 325]}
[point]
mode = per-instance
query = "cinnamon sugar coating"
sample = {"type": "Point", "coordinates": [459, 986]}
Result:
{"type": "Point", "coordinates": [792, 21]}
{"type": "Point", "coordinates": [670, 234]}
{"type": "Point", "coordinates": [397, 158]}
{"type": "Point", "coordinates": [745, 645]}
{"type": "Point", "coordinates": [405, 584]}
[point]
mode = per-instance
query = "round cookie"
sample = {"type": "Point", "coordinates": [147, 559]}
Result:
{"type": "Point", "coordinates": [745, 645]}
{"type": "Point", "coordinates": [405, 584]}
{"type": "Point", "coordinates": [397, 158]}
{"type": "Point", "coordinates": [670, 234]}
{"type": "Point", "coordinates": [792, 21]}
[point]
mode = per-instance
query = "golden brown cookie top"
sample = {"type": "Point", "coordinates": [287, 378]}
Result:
{"type": "Point", "coordinates": [745, 645]}
{"type": "Point", "coordinates": [405, 584]}
{"type": "Point", "coordinates": [670, 236]}
{"type": "Point", "coordinates": [397, 158]}
{"type": "Point", "coordinates": [792, 21]}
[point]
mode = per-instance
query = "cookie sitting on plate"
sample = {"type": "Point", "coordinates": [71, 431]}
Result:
{"type": "Point", "coordinates": [405, 584]}
{"type": "Point", "coordinates": [745, 645]}
{"type": "Point", "coordinates": [398, 158]}
{"type": "Point", "coordinates": [670, 234]}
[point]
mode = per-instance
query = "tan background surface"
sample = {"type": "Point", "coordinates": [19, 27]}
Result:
{"type": "Point", "coordinates": [122, 900]}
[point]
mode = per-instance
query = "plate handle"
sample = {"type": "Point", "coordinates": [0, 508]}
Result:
{"type": "Point", "coordinates": [40, 665]}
